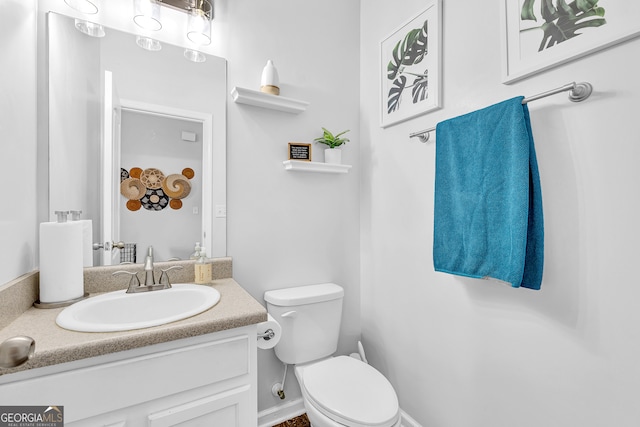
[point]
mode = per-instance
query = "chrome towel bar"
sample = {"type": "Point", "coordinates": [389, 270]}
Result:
{"type": "Point", "coordinates": [579, 92]}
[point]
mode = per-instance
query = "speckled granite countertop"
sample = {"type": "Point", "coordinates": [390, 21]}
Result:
{"type": "Point", "coordinates": [55, 345]}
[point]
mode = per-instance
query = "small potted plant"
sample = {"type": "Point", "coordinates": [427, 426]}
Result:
{"type": "Point", "coordinates": [333, 154]}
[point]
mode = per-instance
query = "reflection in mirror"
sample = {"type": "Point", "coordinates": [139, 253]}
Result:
{"type": "Point", "coordinates": [137, 143]}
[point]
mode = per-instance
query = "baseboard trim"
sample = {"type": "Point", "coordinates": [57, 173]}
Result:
{"type": "Point", "coordinates": [281, 413]}
{"type": "Point", "coordinates": [407, 421]}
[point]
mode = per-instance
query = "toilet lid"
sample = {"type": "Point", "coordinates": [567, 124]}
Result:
{"type": "Point", "coordinates": [348, 390]}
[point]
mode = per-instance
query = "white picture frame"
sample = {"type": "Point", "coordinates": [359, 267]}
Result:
{"type": "Point", "coordinates": [523, 40]}
{"type": "Point", "coordinates": [410, 67]}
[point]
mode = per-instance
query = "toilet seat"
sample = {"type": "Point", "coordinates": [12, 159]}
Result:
{"type": "Point", "coordinates": [351, 392]}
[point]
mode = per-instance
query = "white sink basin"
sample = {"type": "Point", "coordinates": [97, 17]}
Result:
{"type": "Point", "coordinates": [120, 311]}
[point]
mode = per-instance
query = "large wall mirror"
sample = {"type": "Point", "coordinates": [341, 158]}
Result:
{"type": "Point", "coordinates": [137, 143]}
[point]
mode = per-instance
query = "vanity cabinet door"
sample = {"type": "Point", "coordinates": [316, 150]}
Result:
{"type": "Point", "coordinates": [223, 409]}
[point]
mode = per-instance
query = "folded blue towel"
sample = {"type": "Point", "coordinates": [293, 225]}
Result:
{"type": "Point", "coordinates": [488, 203]}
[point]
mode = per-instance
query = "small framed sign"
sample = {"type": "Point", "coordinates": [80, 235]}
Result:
{"type": "Point", "coordinates": [300, 151]}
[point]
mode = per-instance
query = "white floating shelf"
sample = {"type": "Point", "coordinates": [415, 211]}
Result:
{"type": "Point", "coordinates": [265, 100]}
{"type": "Point", "coordinates": [299, 165]}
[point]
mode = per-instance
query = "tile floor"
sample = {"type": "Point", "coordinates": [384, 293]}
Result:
{"type": "Point", "coordinates": [301, 421]}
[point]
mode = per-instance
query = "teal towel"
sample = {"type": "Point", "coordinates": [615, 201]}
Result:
{"type": "Point", "coordinates": [488, 202]}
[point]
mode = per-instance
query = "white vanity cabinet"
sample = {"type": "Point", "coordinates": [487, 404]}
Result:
{"type": "Point", "coordinates": [207, 380]}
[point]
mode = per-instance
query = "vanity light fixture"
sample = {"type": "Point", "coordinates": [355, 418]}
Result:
{"type": "Point", "coordinates": [148, 43]}
{"type": "Point", "coordinates": [199, 22]}
{"type": "Point", "coordinates": [89, 28]}
{"type": "Point", "coordinates": [146, 14]}
{"type": "Point", "coordinates": [83, 6]}
{"type": "Point", "coordinates": [194, 55]}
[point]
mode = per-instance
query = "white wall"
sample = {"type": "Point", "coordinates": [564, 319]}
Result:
{"type": "Point", "coordinates": [17, 138]}
{"type": "Point", "coordinates": [463, 352]}
{"type": "Point", "coordinates": [289, 228]}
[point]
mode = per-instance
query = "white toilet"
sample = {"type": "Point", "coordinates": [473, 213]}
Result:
{"type": "Point", "coordinates": [337, 391]}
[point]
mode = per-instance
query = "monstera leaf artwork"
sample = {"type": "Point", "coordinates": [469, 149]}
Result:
{"type": "Point", "coordinates": [410, 61]}
{"type": "Point", "coordinates": [563, 21]}
{"type": "Point", "coordinates": [541, 34]}
{"type": "Point", "coordinates": [408, 52]}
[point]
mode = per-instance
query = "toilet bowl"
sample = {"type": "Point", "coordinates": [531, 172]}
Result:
{"type": "Point", "coordinates": [337, 391]}
{"type": "Point", "coordinates": [343, 391]}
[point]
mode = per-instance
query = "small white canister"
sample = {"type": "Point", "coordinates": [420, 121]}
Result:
{"type": "Point", "coordinates": [270, 80]}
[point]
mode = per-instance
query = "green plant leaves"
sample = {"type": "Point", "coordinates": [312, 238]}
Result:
{"type": "Point", "coordinates": [393, 100]}
{"type": "Point", "coordinates": [549, 12]}
{"type": "Point", "coordinates": [418, 48]}
{"type": "Point", "coordinates": [526, 13]}
{"type": "Point", "coordinates": [409, 51]}
{"type": "Point", "coordinates": [394, 65]}
{"type": "Point", "coordinates": [332, 140]}
{"type": "Point", "coordinates": [567, 26]}
{"type": "Point", "coordinates": [419, 90]}
{"type": "Point", "coordinates": [563, 21]}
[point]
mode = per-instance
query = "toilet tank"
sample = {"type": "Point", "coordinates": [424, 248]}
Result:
{"type": "Point", "coordinates": [310, 318]}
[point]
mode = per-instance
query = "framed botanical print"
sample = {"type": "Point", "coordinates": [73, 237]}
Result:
{"type": "Point", "coordinates": [410, 67]}
{"type": "Point", "coordinates": [541, 34]}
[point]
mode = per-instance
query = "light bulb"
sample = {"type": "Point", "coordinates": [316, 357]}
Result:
{"type": "Point", "coordinates": [194, 55]}
{"type": "Point", "coordinates": [83, 6]}
{"type": "Point", "coordinates": [148, 43]}
{"type": "Point", "coordinates": [199, 24]}
{"type": "Point", "coordinates": [89, 28]}
{"type": "Point", "coordinates": [146, 14]}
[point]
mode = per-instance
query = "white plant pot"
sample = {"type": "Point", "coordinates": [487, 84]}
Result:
{"type": "Point", "coordinates": [333, 155]}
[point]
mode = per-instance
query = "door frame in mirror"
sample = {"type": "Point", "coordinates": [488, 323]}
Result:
{"type": "Point", "coordinates": [215, 244]}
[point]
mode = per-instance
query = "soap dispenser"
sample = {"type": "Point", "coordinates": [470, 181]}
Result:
{"type": "Point", "coordinates": [196, 252]}
{"type": "Point", "coordinates": [203, 268]}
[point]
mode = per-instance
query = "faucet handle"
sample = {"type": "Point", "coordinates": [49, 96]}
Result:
{"type": "Point", "coordinates": [164, 277]}
{"type": "Point", "coordinates": [134, 282]}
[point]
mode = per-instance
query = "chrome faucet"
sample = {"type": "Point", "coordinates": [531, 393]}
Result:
{"type": "Point", "coordinates": [149, 277]}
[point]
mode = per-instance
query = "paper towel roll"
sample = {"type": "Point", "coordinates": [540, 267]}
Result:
{"type": "Point", "coordinates": [270, 324]}
{"type": "Point", "coordinates": [61, 260]}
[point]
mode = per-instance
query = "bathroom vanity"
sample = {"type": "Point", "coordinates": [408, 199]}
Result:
{"type": "Point", "coordinates": [197, 371]}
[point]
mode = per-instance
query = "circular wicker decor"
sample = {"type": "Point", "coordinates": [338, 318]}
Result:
{"type": "Point", "coordinates": [176, 186]}
{"type": "Point", "coordinates": [124, 174]}
{"type": "Point", "coordinates": [175, 204]}
{"type": "Point", "coordinates": [188, 172]}
{"type": "Point", "coordinates": [152, 178]}
{"type": "Point", "coordinates": [133, 205]}
{"type": "Point", "coordinates": [135, 172]}
{"type": "Point", "coordinates": [154, 200]}
{"type": "Point", "coordinates": [132, 188]}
